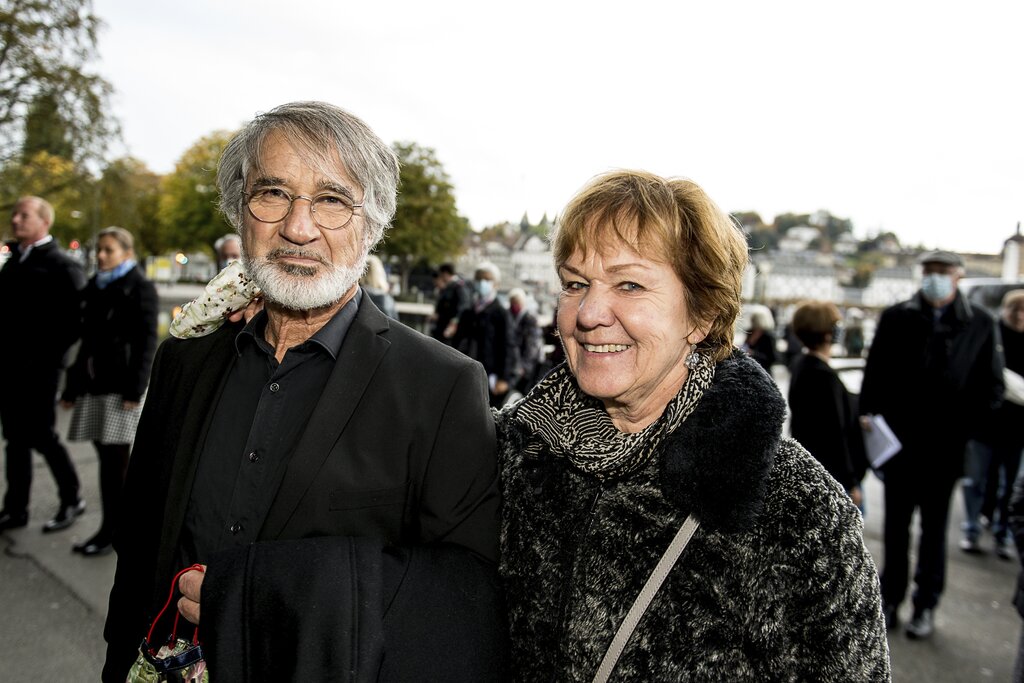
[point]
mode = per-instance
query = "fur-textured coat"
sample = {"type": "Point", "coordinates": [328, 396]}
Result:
{"type": "Point", "coordinates": [776, 585]}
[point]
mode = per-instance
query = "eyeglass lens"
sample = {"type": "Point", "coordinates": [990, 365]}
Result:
{"type": "Point", "coordinates": [329, 210]}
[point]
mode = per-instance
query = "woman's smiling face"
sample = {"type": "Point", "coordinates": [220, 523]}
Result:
{"type": "Point", "coordinates": [623, 321]}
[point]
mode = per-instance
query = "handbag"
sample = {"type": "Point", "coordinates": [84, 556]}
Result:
{"type": "Point", "coordinates": [177, 660]}
{"type": "Point", "coordinates": [643, 600]}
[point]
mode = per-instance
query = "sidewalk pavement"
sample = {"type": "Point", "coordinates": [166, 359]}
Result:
{"type": "Point", "coordinates": [54, 601]}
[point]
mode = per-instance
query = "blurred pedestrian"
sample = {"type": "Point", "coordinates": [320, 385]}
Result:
{"type": "Point", "coordinates": [1016, 523]}
{"type": "Point", "coordinates": [453, 297]}
{"type": "Point", "coordinates": [107, 382]}
{"type": "Point", "coordinates": [853, 337]}
{"type": "Point", "coordinates": [934, 373]}
{"type": "Point", "coordinates": [41, 290]}
{"type": "Point", "coordinates": [760, 341]}
{"type": "Point", "coordinates": [993, 457]}
{"type": "Point", "coordinates": [375, 284]}
{"type": "Point", "coordinates": [485, 333]}
{"type": "Point", "coordinates": [228, 248]}
{"type": "Point", "coordinates": [822, 415]}
{"type": "Point", "coordinates": [529, 342]}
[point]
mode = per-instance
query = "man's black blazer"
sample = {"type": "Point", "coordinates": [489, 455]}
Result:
{"type": "Point", "coordinates": [400, 447]}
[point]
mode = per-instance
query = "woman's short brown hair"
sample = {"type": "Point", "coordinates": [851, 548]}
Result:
{"type": "Point", "coordinates": [670, 220]}
{"type": "Point", "coordinates": [812, 320]}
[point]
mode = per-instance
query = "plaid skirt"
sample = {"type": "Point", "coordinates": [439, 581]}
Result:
{"type": "Point", "coordinates": [103, 419]}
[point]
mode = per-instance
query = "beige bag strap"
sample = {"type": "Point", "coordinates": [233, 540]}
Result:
{"type": "Point", "coordinates": [643, 600]}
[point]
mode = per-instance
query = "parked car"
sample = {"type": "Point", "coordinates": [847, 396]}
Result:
{"type": "Point", "coordinates": [988, 292]}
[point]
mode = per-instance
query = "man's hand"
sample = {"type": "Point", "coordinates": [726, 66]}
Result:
{"type": "Point", "coordinates": [191, 584]}
{"type": "Point", "coordinates": [67, 405]}
{"type": "Point", "coordinates": [857, 496]}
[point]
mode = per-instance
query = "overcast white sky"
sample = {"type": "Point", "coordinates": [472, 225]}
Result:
{"type": "Point", "coordinates": [903, 116]}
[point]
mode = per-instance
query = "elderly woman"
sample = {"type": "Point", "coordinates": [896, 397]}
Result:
{"type": "Point", "coordinates": [654, 420]}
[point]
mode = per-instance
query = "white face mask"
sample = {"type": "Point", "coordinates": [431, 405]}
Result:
{"type": "Point", "coordinates": [484, 288]}
{"type": "Point", "coordinates": [937, 286]}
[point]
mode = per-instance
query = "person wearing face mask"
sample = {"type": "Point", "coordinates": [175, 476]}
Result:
{"type": "Point", "coordinates": [529, 341]}
{"type": "Point", "coordinates": [934, 373]}
{"type": "Point", "coordinates": [486, 333]}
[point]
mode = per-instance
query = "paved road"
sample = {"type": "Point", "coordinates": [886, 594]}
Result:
{"type": "Point", "coordinates": [54, 601]}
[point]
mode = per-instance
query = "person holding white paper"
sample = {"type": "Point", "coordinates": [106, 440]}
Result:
{"type": "Point", "coordinates": [933, 373]}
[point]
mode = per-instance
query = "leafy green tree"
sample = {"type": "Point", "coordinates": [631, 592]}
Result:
{"type": "Point", "coordinates": [129, 195]}
{"type": "Point", "coordinates": [45, 49]}
{"type": "Point", "coordinates": [427, 226]}
{"type": "Point", "coordinates": [45, 129]}
{"type": "Point", "coordinates": [188, 202]}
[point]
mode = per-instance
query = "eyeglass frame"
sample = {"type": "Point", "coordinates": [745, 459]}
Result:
{"type": "Point", "coordinates": [291, 204]}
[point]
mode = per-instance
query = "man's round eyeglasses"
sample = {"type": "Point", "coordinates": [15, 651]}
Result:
{"type": "Point", "coordinates": [329, 210]}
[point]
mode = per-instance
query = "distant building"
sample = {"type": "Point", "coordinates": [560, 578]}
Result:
{"type": "Point", "coordinates": [889, 285]}
{"type": "Point", "coordinates": [523, 256]}
{"type": "Point", "coordinates": [1013, 257]}
{"type": "Point", "coordinates": [799, 238]}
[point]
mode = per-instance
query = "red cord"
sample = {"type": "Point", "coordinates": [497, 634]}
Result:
{"type": "Point", "coordinates": [174, 633]}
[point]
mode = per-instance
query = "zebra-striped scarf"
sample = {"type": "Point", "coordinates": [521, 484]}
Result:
{"type": "Point", "coordinates": [576, 426]}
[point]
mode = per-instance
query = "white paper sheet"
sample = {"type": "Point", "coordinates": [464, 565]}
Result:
{"type": "Point", "coordinates": [880, 443]}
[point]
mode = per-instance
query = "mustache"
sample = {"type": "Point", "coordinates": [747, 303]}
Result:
{"type": "Point", "coordinates": [280, 252]}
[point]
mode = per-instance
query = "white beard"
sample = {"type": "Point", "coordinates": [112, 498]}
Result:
{"type": "Point", "coordinates": [302, 288]}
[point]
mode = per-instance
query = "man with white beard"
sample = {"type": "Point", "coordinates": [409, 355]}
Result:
{"type": "Point", "coordinates": [321, 448]}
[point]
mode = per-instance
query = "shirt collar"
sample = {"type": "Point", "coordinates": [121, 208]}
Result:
{"type": "Point", "coordinates": [23, 253]}
{"type": "Point", "coordinates": [329, 337]}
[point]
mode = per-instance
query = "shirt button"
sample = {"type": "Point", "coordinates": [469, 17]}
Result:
{"type": "Point", "coordinates": [274, 387]}
{"type": "Point", "coordinates": [254, 456]}
{"type": "Point", "coordinates": [235, 528]}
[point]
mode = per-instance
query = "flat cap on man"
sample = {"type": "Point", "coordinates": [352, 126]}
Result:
{"type": "Point", "coordinates": [947, 258]}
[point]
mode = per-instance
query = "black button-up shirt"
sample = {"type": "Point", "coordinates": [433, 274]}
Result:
{"type": "Point", "coordinates": [256, 424]}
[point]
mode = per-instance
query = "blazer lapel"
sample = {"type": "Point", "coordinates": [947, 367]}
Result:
{"type": "Point", "coordinates": [201, 400]}
{"type": "Point", "coordinates": [361, 353]}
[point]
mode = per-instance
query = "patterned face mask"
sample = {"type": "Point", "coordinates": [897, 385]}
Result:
{"type": "Point", "coordinates": [229, 291]}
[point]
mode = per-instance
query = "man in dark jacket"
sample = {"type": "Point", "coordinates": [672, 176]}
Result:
{"type": "Point", "coordinates": [1016, 523]}
{"type": "Point", "coordinates": [993, 456]}
{"type": "Point", "coordinates": [486, 333]}
{"type": "Point", "coordinates": [364, 447]}
{"type": "Point", "coordinates": [453, 297]}
{"type": "Point", "coordinates": [41, 290]}
{"type": "Point", "coordinates": [933, 373]}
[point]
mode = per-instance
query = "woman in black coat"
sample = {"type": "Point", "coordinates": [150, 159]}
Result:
{"type": "Point", "coordinates": [108, 380]}
{"type": "Point", "coordinates": [823, 419]}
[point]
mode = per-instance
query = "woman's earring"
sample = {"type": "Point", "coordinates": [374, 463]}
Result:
{"type": "Point", "coordinates": [693, 359]}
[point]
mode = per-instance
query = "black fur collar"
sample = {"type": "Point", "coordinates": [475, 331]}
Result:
{"type": "Point", "coordinates": [716, 464]}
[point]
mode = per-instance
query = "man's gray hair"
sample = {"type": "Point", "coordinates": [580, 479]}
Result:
{"type": "Point", "coordinates": [323, 134]}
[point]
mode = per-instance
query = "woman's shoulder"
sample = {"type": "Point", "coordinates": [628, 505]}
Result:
{"type": "Point", "coordinates": [801, 494]}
